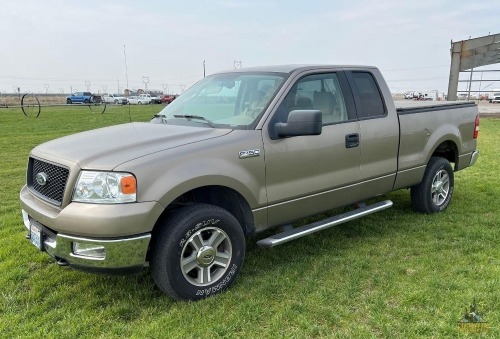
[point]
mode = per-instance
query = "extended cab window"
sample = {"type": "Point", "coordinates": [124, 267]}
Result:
{"type": "Point", "coordinates": [369, 95]}
{"type": "Point", "coordinates": [315, 92]}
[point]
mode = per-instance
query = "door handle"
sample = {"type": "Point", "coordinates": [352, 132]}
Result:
{"type": "Point", "coordinates": [352, 140]}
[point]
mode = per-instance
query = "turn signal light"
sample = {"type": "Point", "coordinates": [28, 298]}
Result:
{"type": "Point", "coordinates": [128, 185]}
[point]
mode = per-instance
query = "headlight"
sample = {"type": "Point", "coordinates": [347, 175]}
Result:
{"type": "Point", "coordinates": [105, 187]}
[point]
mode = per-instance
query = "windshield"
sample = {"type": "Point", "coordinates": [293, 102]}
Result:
{"type": "Point", "coordinates": [229, 100]}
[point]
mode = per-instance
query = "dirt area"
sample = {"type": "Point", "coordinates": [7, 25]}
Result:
{"type": "Point", "coordinates": [45, 99]}
{"type": "Point", "coordinates": [488, 110]}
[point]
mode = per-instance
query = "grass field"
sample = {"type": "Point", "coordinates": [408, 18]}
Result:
{"type": "Point", "coordinates": [393, 274]}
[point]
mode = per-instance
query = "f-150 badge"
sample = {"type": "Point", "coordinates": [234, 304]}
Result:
{"type": "Point", "coordinates": [249, 153]}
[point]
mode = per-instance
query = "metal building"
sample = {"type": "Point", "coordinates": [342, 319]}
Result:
{"type": "Point", "coordinates": [469, 54]}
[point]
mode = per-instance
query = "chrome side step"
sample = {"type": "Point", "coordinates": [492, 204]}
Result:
{"type": "Point", "coordinates": [317, 226]}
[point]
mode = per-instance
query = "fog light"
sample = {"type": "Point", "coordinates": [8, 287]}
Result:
{"type": "Point", "coordinates": [89, 250]}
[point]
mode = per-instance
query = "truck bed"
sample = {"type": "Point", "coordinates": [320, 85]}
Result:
{"type": "Point", "coordinates": [409, 106]}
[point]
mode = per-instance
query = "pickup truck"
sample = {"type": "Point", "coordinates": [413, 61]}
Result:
{"type": "Point", "coordinates": [494, 98]}
{"type": "Point", "coordinates": [238, 153]}
{"type": "Point", "coordinates": [113, 98]}
{"type": "Point", "coordinates": [152, 98]}
{"type": "Point", "coordinates": [79, 98]}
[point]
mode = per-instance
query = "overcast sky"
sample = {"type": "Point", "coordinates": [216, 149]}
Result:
{"type": "Point", "coordinates": [60, 45]}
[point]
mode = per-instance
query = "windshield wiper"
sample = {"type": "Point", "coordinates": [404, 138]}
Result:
{"type": "Point", "coordinates": [199, 117]}
{"type": "Point", "coordinates": [161, 116]}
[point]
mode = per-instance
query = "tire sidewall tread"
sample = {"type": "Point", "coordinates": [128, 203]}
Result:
{"type": "Point", "coordinates": [169, 243]}
{"type": "Point", "coordinates": [421, 193]}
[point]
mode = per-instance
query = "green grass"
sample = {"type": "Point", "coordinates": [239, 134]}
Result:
{"type": "Point", "coordinates": [393, 274]}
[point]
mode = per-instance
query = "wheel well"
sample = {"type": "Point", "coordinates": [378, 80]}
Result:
{"type": "Point", "coordinates": [447, 150]}
{"type": "Point", "coordinates": [221, 196]}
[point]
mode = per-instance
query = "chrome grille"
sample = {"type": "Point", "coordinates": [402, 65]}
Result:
{"type": "Point", "coordinates": [57, 176]}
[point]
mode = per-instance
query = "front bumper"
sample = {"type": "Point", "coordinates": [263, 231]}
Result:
{"type": "Point", "coordinates": [119, 255]}
{"type": "Point", "coordinates": [120, 232]}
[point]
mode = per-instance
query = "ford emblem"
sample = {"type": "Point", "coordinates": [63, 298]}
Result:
{"type": "Point", "coordinates": [41, 178]}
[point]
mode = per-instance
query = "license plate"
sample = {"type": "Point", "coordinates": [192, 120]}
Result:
{"type": "Point", "coordinates": [36, 236]}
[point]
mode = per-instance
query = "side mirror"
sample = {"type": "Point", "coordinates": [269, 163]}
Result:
{"type": "Point", "coordinates": [301, 122]}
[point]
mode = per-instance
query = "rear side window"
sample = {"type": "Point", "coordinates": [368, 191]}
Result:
{"type": "Point", "coordinates": [369, 95]}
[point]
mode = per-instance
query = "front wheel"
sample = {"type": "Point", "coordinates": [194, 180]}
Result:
{"type": "Point", "coordinates": [198, 252]}
{"type": "Point", "coordinates": [69, 102]}
{"type": "Point", "coordinates": [434, 193]}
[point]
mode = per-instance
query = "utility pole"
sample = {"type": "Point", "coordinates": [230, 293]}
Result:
{"type": "Point", "coordinates": [87, 83]}
{"type": "Point", "coordinates": [126, 69]}
{"type": "Point", "coordinates": [46, 88]}
{"type": "Point", "coordinates": [165, 88]}
{"type": "Point", "coordinates": [145, 80]}
{"type": "Point", "coordinates": [203, 68]}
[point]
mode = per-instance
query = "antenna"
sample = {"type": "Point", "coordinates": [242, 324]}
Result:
{"type": "Point", "coordinates": [126, 75]}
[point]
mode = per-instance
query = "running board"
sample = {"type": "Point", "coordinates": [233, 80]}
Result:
{"type": "Point", "coordinates": [317, 226]}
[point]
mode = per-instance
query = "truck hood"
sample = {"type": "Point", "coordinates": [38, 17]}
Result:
{"type": "Point", "coordinates": [106, 148]}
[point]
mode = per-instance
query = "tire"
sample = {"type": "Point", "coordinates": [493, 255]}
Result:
{"type": "Point", "coordinates": [86, 101]}
{"type": "Point", "coordinates": [69, 102]}
{"type": "Point", "coordinates": [140, 102]}
{"type": "Point", "coordinates": [116, 102]}
{"type": "Point", "coordinates": [210, 242]}
{"type": "Point", "coordinates": [435, 191]}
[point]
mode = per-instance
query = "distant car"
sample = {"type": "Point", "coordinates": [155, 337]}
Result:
{"type": "Point", "coordinates": [113, 98]}
{"type": "Point", "coordinates": [138, 100]}
{"type": "Point", "coordinates": [79, 97]}
{"type": "Point", "coordinates": [153, 98]}
{"type": "Point", "coordinates": [495, 98]}
{"type": "Point", "coordinates": [167, 99]}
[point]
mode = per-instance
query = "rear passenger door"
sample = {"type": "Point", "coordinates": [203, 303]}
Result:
{"type": "Point", "coordinates": [379, 132]}
{"type": "Point", "coordinates": [312, 174]}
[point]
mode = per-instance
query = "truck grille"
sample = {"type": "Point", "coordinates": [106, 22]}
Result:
{"type": "Point", "coordinates": [55, 177]}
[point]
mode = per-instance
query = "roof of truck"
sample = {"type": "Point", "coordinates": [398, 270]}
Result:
{"type": "Point", "coordinates": [292, 68]}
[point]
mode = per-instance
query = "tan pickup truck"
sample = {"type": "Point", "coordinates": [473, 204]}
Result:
{"type": "Point", "coordinates": [238, 153]}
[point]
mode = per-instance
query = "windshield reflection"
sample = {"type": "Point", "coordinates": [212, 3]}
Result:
{"type": "Point", "coordinates": [228, 100]}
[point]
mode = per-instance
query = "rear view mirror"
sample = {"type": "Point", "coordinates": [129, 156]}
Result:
{"type": "Point", "coordinates": [301, 122]}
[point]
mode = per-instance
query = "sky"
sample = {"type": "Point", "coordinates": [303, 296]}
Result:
{"type": "Point", "coordinates": [58, 46]}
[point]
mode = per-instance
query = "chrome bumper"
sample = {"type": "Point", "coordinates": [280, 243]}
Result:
{"type": "Point", "coordinates": [474, 157]}
{"type": "Point", "coordinates": [126, 253]}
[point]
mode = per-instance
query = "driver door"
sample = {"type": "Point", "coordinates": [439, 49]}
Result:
{"type": "Point", "coordinates": [306, 175]}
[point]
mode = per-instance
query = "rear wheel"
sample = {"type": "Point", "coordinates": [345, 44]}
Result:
{"type": "Point", "coordinates": [435, 191]}
{"type": "Point", "coordinates": [140, 102]}
{"type": "Point", "coordinates": [86, 101]}
{"type": "Point", "coordinates": [198, 252]}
